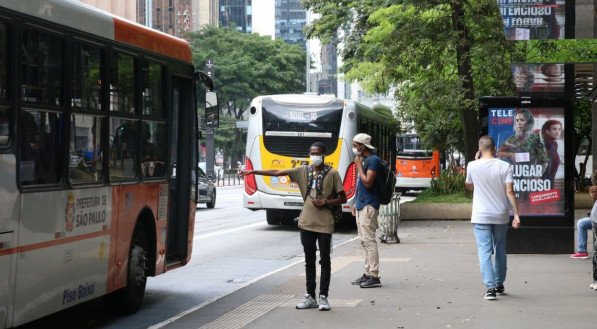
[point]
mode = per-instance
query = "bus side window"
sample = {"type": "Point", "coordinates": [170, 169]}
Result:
{"type": "Point", "coordinates": [153, 149]}
{"type": "Point", "coordinates": [123, 149]}
{"type": "Point", "coordinates": [40, 147]}
{"type": "Point", "coordinates": [85, 156]}
{"type": "Point", "coordinates": [41, 61]}
{"type": "Point", "coordinates": [5, 118]}
{"type": "Point", "coordinates": [4, 127]}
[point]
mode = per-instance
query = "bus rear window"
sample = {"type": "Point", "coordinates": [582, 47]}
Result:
{"type": "Point", "coordinates": [290, 130]}
{"type": "Point", "coordinates": [410, 144]}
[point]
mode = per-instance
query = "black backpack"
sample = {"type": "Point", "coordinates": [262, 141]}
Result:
{"type": "Point", "coordinates": [387, 184]}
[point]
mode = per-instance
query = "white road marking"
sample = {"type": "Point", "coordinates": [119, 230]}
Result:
{"type": "Point", "coordinates": [209, 235]}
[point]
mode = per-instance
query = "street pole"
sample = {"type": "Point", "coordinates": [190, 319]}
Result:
{"type": "Point", "coordinates": [209, 132]}
{"type": "Point", "coordinates": [308, 61]}
{"type": "Point", "coordinates": [210, 154]}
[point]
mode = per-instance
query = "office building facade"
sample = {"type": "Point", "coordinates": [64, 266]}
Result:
{"type": "Point", "coordinates": [237, 14]}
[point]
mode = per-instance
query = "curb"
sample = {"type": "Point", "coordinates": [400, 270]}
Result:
{"type": "Point", "coordinates": [435, 211]}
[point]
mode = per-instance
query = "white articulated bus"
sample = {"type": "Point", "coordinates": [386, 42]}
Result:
{"type": "Point", "coordinates": [281, 131]}
{"type": "Point", "coordinates": [98, 120]}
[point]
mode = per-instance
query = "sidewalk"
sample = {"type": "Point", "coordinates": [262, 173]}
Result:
{"type": "Point", "coordinates": [430, 280]}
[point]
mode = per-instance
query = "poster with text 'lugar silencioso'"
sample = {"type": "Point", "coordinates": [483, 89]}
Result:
{"type": "Point", "coordinates": [532, 140]}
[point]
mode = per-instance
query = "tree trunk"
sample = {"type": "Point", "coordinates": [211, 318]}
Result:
{"type": "Point", "coordinates": [468, 112]}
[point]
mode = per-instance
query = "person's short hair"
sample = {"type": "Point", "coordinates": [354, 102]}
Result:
{"type": "Point", "coordinates": [528, 116]}
{"type": "Point", "coordinates": [320, 145]}
{"type": "Point", "coordinates": [486, 142]}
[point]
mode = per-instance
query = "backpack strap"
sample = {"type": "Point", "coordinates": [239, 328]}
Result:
{"type": "Point", "coordinates": [318, 179]}
{"type": "Point", "coordinates": [309, 179]}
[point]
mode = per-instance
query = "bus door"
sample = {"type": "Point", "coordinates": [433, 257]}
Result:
{"type": "Point", "coordinates": [181, 164]}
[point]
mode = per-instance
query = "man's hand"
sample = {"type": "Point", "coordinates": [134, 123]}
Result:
{"type": "Point", "coordinates": [353, 210]}
{"type": "Point", "coordinates": [516, 222]}
{"type": "Point", "coordinates": [318, 202]}
{"type": "Point", "coordinates": [244, 173]}
{"type": "Point", "coordinates": [358, 161]}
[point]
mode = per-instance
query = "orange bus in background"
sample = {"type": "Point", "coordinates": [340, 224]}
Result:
{"type": "Point", "coordinates": [98, 157]}
{"type": "Point", "coordinates": [415, 165]}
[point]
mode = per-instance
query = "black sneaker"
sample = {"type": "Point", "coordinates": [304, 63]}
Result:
{"type": "Point", "coordinates": [490, 294]}
{"type": "Point", "coordinates": [371, 282]}
{"type": "Point", "coordinates": [500, 290]}
{"type": "Point", "coordinates": [360, 280]}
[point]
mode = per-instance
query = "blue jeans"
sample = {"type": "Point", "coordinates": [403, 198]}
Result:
{"type": "Point", "coordinates": [491, 239]}
{"type": "Point", "coordinates": [582, 226]}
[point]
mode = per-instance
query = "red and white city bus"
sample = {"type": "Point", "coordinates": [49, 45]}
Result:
{"type": "Point", "coordinates": [415, 165]}
{"type": "Point", "coordinates": [97, 157]}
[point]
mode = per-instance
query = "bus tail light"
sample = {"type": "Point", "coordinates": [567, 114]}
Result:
{"type": "Point", "coordinates": [250, 183]}
{"type": "Point", "coordinates": [350, 180]}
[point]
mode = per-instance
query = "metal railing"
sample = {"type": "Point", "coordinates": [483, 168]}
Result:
{"type": "Point", "coordinates": [227, 177]}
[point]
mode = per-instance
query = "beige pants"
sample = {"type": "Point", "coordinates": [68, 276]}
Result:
{"type": "Point", "coordinates": [366, 226]}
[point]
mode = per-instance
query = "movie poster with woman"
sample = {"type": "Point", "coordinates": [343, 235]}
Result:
{"type": "Point", "coordinates": [532, 140]}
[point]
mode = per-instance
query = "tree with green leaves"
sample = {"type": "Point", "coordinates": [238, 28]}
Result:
{"type": "Point", "coordinates": [440, 55]}
{"type": "Point", "coordinates": [246, 66]}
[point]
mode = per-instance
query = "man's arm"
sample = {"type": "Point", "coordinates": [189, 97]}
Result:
{"type": "Point", "coordinates": [514, 203]}
{"type": "Point", "coordinates": [367, 178]}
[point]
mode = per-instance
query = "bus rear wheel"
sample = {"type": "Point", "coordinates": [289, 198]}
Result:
{"type": "Point", "coordinates": [272, 217]}
{"type": "Point", "coordinates": [128, 299]}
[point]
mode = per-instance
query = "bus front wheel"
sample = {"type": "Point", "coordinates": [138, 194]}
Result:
{"type": "Point", "coordinates": [128, 299]}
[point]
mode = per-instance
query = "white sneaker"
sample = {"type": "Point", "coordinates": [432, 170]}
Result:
{"type": "Point", "coordinates": [593, 285]}
{"type": "Point", "coordinates": [324, 305]}
{"type": "Point", "coordinates": [307, 302]}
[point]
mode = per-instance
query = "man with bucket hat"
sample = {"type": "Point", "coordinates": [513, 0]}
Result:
{"type": "Point", "coordinates": [369, 169]}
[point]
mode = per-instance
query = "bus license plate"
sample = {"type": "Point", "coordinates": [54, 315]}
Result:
{"type": "Point", "coordinates": [293, 204]}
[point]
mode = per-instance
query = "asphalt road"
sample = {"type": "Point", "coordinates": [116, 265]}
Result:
{"type": "Point", "coordinates": [233, 247]}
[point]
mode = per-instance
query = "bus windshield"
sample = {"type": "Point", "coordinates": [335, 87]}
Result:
{"type": "Point", "coordinates": [410, 145]}
{"type": "Point", "coordinates": [291, 129]}
{"type": "Point", "coordinates": [281, 120]}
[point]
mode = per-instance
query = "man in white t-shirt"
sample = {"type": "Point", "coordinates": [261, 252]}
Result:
{"type": "Point", "coordinates": [490, 179]}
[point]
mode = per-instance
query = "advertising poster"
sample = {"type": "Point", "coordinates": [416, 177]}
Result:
{"type": "Point", "coordinates": [532, 140]}
{"type": "Point", "coordinates": [533, 19]}
{"type": "Point", "coordinates": [539, 78]}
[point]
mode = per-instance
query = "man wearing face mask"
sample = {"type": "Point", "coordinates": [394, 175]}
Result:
{"type": "Point", "coordinates": [366, 208]}
{"type": "Point", "coordinates": [321, 188]}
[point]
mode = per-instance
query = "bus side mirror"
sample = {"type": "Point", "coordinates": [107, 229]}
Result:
{"type": "Point", "coordinates": [212, 110]}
